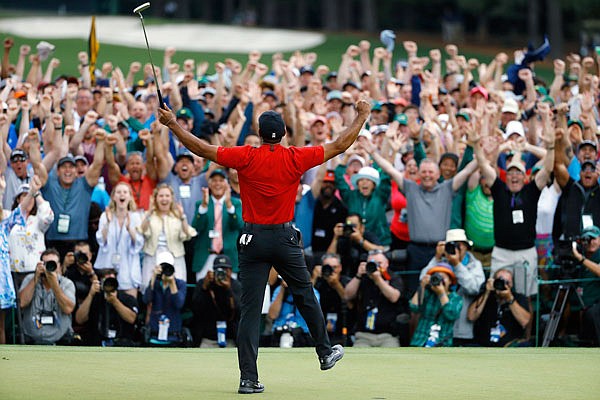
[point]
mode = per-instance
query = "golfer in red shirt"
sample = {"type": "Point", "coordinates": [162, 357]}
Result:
{"type": "Point", "coordinates": [269, 176]}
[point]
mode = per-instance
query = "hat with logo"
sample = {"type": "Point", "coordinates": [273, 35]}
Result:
{"type": "Point", "coordinates": [222, 261]}
{"type": "Point", "coordinates": [184, 113]}
{"type": "Point", "coordinates": [444, 268]}
{"type": "Point", "coordinates": [591, 232]}
{"type": "Point", "coordinates": [369, 173]}
{"type": "Point", "coordinates": [329, 177]}
{"type": "Point", "coordinates": [183, 152]}
{"type": "Point", "coordinates": [18, 153]}
{"type": "Point", "coordinates": [219, 172]}
{"type": "Point", "coordinates": [67, 159]}
{"type": "Point", "coordinates": [271, 126]}
{"type": "Point", "coordinates": [514, 127]}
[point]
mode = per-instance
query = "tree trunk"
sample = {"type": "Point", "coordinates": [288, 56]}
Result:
{"type": "Point", "coordinates": [555, 27]}
{"type": "Point", "coordinates": [368, 20]}
{"type": "Point", "coordinates": [533, 21]}
{"type": "Point", "coordinates": [329, 15]}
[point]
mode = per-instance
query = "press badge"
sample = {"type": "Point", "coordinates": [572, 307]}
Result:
{"type": "Point", "coordinates": [185, 191]}
{"type": "Point", "coordinates": [371, 317]}
{"type": "Point", "coordinates": [320, 233]}
{"type": "Point", "coordinates": [213, 234]}
{"type": "Point", "coordinates": [587, 221]}
{"type": "Point", "coordinates": [517, 216]}
{"type": "Point", "coordinates": [47, 319]}
{"type": "Point", "coordinates": [112, 334]}
{"type": "Point", "coordinates": [64, 221]}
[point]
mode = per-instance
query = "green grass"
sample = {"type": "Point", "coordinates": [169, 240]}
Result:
{"type": "Point", "coordinates": [404, 373]}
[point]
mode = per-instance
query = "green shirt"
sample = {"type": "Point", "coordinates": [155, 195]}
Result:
{"type": "Point", "coordinates": [432, 312]}
{"type": "Point", "coordinates": [479, 219]}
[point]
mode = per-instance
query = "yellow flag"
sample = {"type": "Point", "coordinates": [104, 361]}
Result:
{"type": "Point", "coordinates": [93, 47]}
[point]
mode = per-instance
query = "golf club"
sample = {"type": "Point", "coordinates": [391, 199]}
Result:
{"type": "Point", "coordinates": [138, 10]}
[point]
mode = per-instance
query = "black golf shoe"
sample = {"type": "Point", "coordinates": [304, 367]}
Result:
{"type": "Point", "coordinates": [327, 362]}
{"type": "Point", "coordinates": [248, 387]}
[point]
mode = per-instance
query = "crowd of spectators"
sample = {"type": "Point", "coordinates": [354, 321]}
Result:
{"type": "Point", "coordinates": [470, 180]}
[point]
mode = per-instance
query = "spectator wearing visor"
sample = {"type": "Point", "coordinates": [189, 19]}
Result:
{"type": "Point", "coordinates": [20, 171]}
{"type": "Point", "coordinates": [438, 305]}
{"type": "Point", "coordinates": [455, 251]}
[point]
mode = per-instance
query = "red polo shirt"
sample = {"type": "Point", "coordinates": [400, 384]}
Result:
{"type": "Point", "coordinates": [269, 178]}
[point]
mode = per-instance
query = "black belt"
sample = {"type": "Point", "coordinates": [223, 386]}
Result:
{"type": "Point", "coordinates": [248, 225]}
{"type": "Point", "coordinates": [425, 244]}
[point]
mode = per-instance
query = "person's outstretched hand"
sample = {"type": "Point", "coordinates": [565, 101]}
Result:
{"type": "Point", "coordinates": [363, 107]}
{"type": "Point", "coordinates": [165, 115]}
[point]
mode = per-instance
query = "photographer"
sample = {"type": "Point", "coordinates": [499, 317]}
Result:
{"type": "Point", "coordinates": [329, 282]}
{"type": "Point", "coordinates": [438, 305]}
{"type": "Point", "coordinates": [107, 314]}
{"type": "Point", "coordinates": [469, 276]}
{"type": "Point", "coordinates": [215, 305]}
{"type": "Point", "coordinates": [47, 301]}
{"type": "Point", "coordinates": [500, 314]}
{"type": "Point", "coordinates": [351, 241]}
{"type": "Point", "coordinates": [165, 295]}
{"type": "Point", "coordinates": [378, 303]}
{"type": "Point", "coordinates": [590, 290]}
{"type": "Point", "coordinates": [78, 268]}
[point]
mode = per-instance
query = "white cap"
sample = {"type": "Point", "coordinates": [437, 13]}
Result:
{"type": "Point", "coordinates": [165, 258]}
{"type": "Point", "coordinates": [365, 133]}
{"type": "Point", "coordinates": [356, 157]}
{"type": "Point", "coordinates": [369, 173]}
{"type": "Point", "coordinates": [510, 106]}
{"type": "Point", "coordinates": [514, 127]}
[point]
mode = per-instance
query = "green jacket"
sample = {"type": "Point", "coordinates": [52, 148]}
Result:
{"type": "Point", "coordinates": [203, 223]}
{"type": "Point", "coordinates": [372, 208]}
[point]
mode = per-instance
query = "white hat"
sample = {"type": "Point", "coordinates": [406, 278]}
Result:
{"type": "Point", "coordinates": [457, 235]}
{"type": "Point", "coordinates": [356, 157]}
{"type": "Point", "coordinates": [165, 258]}
{"type": "Point", "coordinates": [369, 173]}
{"type": "Point", "coordinates": [377, 129]}
{"type": "Point", "coordinates": [510, 106]}
{"type": "Point", "coordinates": [514, 127]}
{"type": "Point", "coordinates": [516, 163]}
{"type": "Point", "coordinates": [366, 134]}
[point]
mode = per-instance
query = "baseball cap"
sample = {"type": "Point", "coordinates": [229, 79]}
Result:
{"type": "Point", "coordinates": [366, 134]}
{"type": "Point", "coordinates": [24, 188]}
{"type": "Point", "coordinates": [591, 163]}
{"type": "Point", "coordinates": [481, 90]}
{"type": "Point", "coordinates": [510, 106]}
{"type": "Point", "coordinates": [575, 122]}
{"type": "Point", "coordinates": [402, 119]}
{"type": "Point", "coordinates": [334, 95]}
{"type": "Point", "coordinates": [271, 126]}
{"type": "Point", "coordinates": [587, 142]}
{"type": "Point", "coordinates": [400, 101]}
{"type": "Point", "coordinates": [183, 152]}
{"type": "Point", "coordinates": [67, 159]}
{"type": "Point", "coordinates": [220, 172]}
{"type": "Point", "coordinates": [165, 258]}
{"type": "Point", "coordinates": [514, 127]}
{"type": "Point", "coordinates": [18, 153]}
{"type": "Point", "coordinates": [208, 90]}
{"type": "Point", "coordinates": [356, 157]}
{"type": "Point", "coordinates": [351, 83]}
{"type": "Point", "coordinates": [307, 69]}
{"type": "Point", "coordinates": [516, 164]}
{"type": "Point", "coordinates": [329, 176]}
{"type": "Point", "coordinates": [222, 261]}
{"type": "Point", "coordinates": [81, 158]}
{"type": "Point", "coordinates": [377, 129]}
{"type": "Point", "coordinates": [377, 106]}
{"type": "Point", "coordinates": [270, 93]}
{"type": "Point", "coordinates": [464, 115]}
{"type": "Point", "coordinates": [591, 232]}
{"type": "Point", "coordinates": [184, 113]}
{"type": "Point", "coordinates": [318, 118]}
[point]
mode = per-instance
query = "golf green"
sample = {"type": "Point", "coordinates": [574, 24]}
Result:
{"type": "Point", "coordinates": [35, 372]}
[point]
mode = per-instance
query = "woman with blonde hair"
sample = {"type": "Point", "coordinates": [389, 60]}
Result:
{"type": "Point", "coordinates": [119, 240]}
{"type": "Point", "coordinates": [165, 229]}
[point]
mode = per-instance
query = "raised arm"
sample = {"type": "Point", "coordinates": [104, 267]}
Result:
{"type": "Point", "coordinates": [349, 135]}
{"type": "Point", "coordinates": [488, 172]}
{"type": "Point", "coordinates": [385, 165]}
{"type": "Point", "coordinates": [95, 169]}
{"type": "Point", "coordinates": [199, 147]}
{"type": "Point", "coordinates": [460, 178]}
{"type": "Point", "coordinates": [541, 179]}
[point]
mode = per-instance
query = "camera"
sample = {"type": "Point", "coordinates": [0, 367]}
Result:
{"type": "Point", "coordinates": [50, 265]}
{"type": "Point", "coordinates": [349, 229]}
{"type": "Point", "coordinates": [326, 271]}
{"type": "Point", "coordinates": [500, 284]}
{"type": "Point", "coordinates": [110, 284]}
{"type": "Point", "coordinates": [436, 279]}
{"type": "Point", "coordinates": [563, 254]}
{"type": "Point", "coordinates": [167, 269]}
{"type": "Point", "coordinates": [371, 267]}
{"type": "Point", "coordinates": [80, 257]}
{"type": "Point", "coordinates": [450, 247]}
{"type": "Point", "coordinates": [220, 274]}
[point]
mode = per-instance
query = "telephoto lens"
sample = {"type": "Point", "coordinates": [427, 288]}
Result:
{"type": "Point", "coordinates": [499, 284]}
{"type": "Point", "coordinates": [50, 266]}
{"type": "Point", "coordinates": [220, 274]}
{"type": "Point", "coordinates": [450, 248]}
{"type": "Point", "coordinates": [326, 271]}
{"type": "Point", "coordinates": [110, 284]}
{"type": "Point", "coordinates": [371, 267]}
{"type": "Point", "coordinates": [80, 257]}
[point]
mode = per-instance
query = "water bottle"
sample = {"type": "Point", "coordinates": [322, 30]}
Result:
{"type": "Point", "coordinates": [286, 341]}
{"type": "Point", "coordinates": [434, 335]}
{"type": "Point", "coordinates": [101, 185]}
{"type": "Point", "coordinates": [221, 329]}
{"type": "Point", "coordinates": [163, 328]}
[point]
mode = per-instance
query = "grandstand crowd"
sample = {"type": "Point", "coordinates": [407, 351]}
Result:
{"type": "Point", "coordinates": [471, 181]}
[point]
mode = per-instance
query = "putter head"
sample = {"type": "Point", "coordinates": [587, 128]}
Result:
{"type": "Point", "coordinates": [141, 8]}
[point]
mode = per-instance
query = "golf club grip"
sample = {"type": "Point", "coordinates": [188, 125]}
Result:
{"type": "Point", "coordinates": [161, 103]}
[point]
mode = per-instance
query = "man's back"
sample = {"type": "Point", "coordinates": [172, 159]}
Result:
{"type": "Point", "coordinates": [269, 177]}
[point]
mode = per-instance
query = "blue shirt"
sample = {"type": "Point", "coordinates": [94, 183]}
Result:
{"type": "Point", "coordinates": [289, 313]}
{"type": "Point", "coordinates": [166, 303]}
{"type": "Point", "coordinates": [303, 217]}
{"type": "Point", "coordinates": [72, 204]}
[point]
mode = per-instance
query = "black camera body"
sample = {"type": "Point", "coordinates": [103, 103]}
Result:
{"type": "Point", "coordinates": [349, 229]}
{"type": "Point", "coordinates": [500, 284]}
{"type": "Point", "coordinates": [50, 265]}
{"type": "Point", "coordinates": [371, 267]}
{"type": "Point", "coordinates": [326, 271]}
{"type": "Point", "coordinates": [110, 284]}
{"type": "Point", "coordinates": [450, 247]}
{"type": "Point", "coordinates": [563, 253]}
{"type": "Point", "coordinates": [220, 274]}
{"type": "Point", "coordinates": [80, 257]}
{"type": "Point", "coordinates": [167, 269]}
{"type": "Point", "coordinates": [436, 279]}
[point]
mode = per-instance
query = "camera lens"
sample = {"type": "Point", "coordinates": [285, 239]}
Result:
{"type": "Point", "coordinates": [220, 274]}
{"type": "Point", "coordinates": [450, 248]}
{"type": "Point", "coordinates": [80, 257]}
{"type": "Point", "coordinates": [326, 271]}
{"type": "Point", "coordinates": [499, 284]}
{"type": "Point", "coordinates": [371, 267]}
{"type": "Point", "coordinates": [167, 269]}
{"type": "Point", "coordinates": [50, 266]}
{"type": "Point", "coordinates": [436, 279]}
{"type": "Point", "coordinates": [349, 229]}
{"type": "Point", "coordinates": [110, 284]}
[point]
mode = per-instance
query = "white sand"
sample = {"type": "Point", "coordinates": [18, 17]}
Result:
{"type": "Point", "coordinates": [127, 31]}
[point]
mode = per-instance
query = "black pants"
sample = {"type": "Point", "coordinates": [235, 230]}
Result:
{"type": "Point", "coordinates": [260, 247]}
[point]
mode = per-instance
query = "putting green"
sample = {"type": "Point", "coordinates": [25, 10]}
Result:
{"type": "Point", "coordinates": [34, 372]}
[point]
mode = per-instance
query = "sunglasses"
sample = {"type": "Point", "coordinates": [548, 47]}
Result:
{"type": "Point", "coordinates": [18, 159]}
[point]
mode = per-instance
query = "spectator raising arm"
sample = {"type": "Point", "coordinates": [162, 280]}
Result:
{"type": "Point", "coordinates": [95, 169]}
{"type": "Point", "coordinates": [349, 135]}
